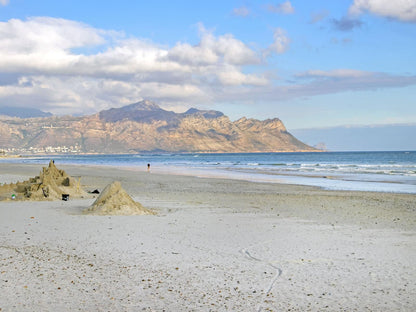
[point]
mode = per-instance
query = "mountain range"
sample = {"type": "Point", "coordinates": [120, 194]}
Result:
{"type": "Point", "coordinates": [145, 127]}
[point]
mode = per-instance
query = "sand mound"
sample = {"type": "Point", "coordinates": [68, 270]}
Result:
{"type": "Point", "coordinates": [49, 185]}
{"type": "Point", "coordinates": [114, 200]}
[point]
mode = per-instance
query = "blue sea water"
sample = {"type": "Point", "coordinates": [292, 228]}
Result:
{"type": "Point", "coordinates": [362, 171]}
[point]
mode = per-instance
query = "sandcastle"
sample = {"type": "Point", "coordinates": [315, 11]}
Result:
{"type": "Point", "coordinates": [114, 200]}
{"type": "Point", "coordinates": [51, 184]}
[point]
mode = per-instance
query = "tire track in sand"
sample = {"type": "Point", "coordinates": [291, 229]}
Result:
{"type": "Point", "coordinates": [248, 255]}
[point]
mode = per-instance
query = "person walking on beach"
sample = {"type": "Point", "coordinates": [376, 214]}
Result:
{"type": "Point", "coordinates": [148, 167]}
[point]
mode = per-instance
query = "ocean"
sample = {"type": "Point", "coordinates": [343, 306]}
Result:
{"type": "Point", "coordinates": [360, 171]}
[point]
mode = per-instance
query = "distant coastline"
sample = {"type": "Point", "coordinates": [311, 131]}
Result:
{"type": "Point", "coordinates": [11, 156]}
{"type": "Point", "coordinates": [159, 153]}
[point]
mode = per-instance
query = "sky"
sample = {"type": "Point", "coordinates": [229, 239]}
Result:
{"type": "Point", "coordinates": [320, 63]}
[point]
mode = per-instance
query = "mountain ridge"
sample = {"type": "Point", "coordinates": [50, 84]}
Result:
{"type": "Point", "coordinates": [147, 111]}
{"type": "Point", "coordinates": [145, 127]}
{"type": "Point", "coordinates": [23, 112]}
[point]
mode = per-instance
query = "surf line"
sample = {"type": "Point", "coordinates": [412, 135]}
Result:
{"type": "Point", "coordinates": [247, 254]}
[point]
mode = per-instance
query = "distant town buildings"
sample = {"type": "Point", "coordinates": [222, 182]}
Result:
{"type": "Point", "coordinates": [41, 150]}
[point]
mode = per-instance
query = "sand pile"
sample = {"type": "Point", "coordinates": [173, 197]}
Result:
{"type": "Point", "coordinates": [114, 200]}
{"type": "Point", "coordinates": [49, 185]}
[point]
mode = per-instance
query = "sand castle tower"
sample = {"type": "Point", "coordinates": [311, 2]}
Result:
{"type": "Point", "coordinates": [114, 200]}
{"type": "Point", "coordinates": [51, 184]}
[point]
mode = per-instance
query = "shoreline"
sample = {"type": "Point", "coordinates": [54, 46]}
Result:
{"type": "Point", "coordinates": [329, 181]}
{"type": "Point", "coordinates": [326, 182]}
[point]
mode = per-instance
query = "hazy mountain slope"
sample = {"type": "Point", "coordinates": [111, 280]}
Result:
{"type": "Point", "coordinates": [22, 112]}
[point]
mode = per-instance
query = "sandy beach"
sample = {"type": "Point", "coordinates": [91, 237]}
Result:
{"type": "Point", "coordinates": [214, 245]}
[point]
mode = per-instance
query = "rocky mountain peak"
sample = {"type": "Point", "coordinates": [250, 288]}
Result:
{"type": "Point", "coordinates": [209, 114]}
{"type": "Point", "coordinates": [147, 112]}
{"type": "Point", "coordinates": [274, 123]}
{"type": "Point", "coordinates": [144, 105]}
{"type": "Point", "coordinates": [143, 111]}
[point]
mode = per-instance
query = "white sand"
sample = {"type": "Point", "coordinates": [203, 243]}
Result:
{"type": "Point", "coordinates": [216, 245]}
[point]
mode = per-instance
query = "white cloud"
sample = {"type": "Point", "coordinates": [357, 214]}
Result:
{"type": "Point", "coordinates": [41, 34]}
{"type": "Point", "coordinates": [404, 10]}
{"type": "Point", "coordinates": [186, 54]}
{"type": "Point", "coordinates": [44, 44]}
{"type": "Point", "coordinates": [241, 11]}
{"type": "Point", "coordinates": [234, 51]}
{"type": "Point", "coordinates": [47, 45]}
{"type": "Point", "coordinates": [232, 76]}
{"type": "Point", "coordinates": [280, 42]}
{"type": "Point", "coordinates": [4, 2]}
{"type": "Point", "coordinates": [128, 57]}
{"type": "Point", "coordinates": [212, 50]}
{"type": "Point", "coordinates": [282, 8]}
{"type": "Point", "coordinates": [162, 91]}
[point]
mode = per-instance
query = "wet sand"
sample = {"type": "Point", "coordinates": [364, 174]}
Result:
{"type": "Point", "coordinates": [215, 245]}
